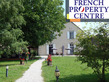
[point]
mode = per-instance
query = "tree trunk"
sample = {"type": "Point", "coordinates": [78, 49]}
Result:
{"type": "Point", "coordinates": [103, 72]}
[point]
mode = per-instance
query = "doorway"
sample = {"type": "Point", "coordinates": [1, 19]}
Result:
{"type": "Point", "coordinates": [50, 48]}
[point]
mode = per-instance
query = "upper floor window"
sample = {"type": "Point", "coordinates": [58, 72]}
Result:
{"type": "Point", "coordinates": [71, 34]}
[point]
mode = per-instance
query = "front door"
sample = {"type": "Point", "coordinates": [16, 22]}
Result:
{"type": "Point", "coordinates": [51, 49]}
{"type": "Point", "coordinates": [71, 49]}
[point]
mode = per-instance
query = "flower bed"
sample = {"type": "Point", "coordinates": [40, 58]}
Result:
{"type": "Point", "coordinates": [49, 60]}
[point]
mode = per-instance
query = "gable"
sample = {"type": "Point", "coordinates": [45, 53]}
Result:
{"type": "Point", "coordinates": [71, 26]}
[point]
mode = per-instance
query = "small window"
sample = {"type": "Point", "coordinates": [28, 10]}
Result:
{"type": "Point", "coordinates": [71, 35]}
{"type": "Point", "coordinates": [50, 45]}
{"type": "Point", "coordinates": [71, 45]}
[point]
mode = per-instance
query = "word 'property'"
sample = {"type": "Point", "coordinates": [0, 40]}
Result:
{"type": "Point", "coordinates": [89, 9]}
{"type": "Point", "coordinates": [88, 2]}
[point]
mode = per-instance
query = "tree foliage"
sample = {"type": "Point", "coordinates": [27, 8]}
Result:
{"type": "Point", "coordinates": [11, 20]}
{"type": "Point", "coordinates": [40, 20]}
{"type": "Point", "coordinates": [94, 50]}
{"type": "Point", "coordinates": [43, 19]}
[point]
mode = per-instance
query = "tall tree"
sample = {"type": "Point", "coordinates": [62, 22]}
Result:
{"type": "Point", "coordinates": [94, 50]}
{"type": "Point", "coordinates": [11, 20]}
{"type": "Point", "coordinates": [43, 19]}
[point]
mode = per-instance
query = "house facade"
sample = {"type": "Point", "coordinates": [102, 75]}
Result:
{"type": "Point", "coordinates": [64, 44]}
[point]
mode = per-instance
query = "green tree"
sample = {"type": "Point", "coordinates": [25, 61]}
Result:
{"type": "Point", "coordinates": [94, 50]}
{"type": "Point", "coordinates": [11, 20]}
{"type": "Point", "coordinates": [43, 19]}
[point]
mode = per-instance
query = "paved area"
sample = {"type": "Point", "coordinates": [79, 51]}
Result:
{"type": "Point", "coordinates": [33, 74]}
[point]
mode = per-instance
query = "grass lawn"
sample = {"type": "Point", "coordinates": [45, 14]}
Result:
{"type": "Point", "coordinates": [15, 70]}
{"type": "Point", "coordinates": [71, 70]}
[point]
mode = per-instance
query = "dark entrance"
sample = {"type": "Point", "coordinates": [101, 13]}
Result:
{"type": "Point", "coordinates": [71, 49]}
{"type": "Point", "coordinates": [51, 49]}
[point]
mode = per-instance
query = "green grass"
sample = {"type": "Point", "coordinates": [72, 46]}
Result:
{"type": "Point", "coordinates": [71, 70]}
{"type": "Point", "coordinates": [15, 70]}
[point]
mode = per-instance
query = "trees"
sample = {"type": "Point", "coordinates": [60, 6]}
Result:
{"type": "Point", "coordinates": [94, 50]}
{"type": "Point", "coordinates": [43, 19]}
{"type": "Point", "coordinates": [11, 20]}
{"type": "Point", "coordinates": [40, 20]}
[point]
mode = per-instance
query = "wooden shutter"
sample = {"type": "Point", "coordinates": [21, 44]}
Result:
{"type": "Point", "coordinates": [54, 46]}
{"type": "Point", "coordinates": [47, 49]}
{"type": "Point", "coordinates": [68, 48]}
{"type": "Point", "coordinates": [74, 34]}
{"type": "Point", "coordinates": [74, 48]}
{"type": "Point", "coordinates": [68, 35]}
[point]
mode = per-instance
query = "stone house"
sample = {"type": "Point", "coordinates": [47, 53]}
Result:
{"type": "Point", "coordinates": [63, 44]}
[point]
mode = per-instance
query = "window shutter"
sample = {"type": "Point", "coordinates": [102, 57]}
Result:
{"type": "Point", "coordinates": [54, 46]}
{"type": "Point", "coordinates": [68, 48]}
{"type": "Point", "coordinates": [74, 34]}
{"type": "Point", "coordinates": [47, 49]}
{"type": "Point", "coordinates": [74, 48]}
{"type": "Point", "coordinates": [68, 37]}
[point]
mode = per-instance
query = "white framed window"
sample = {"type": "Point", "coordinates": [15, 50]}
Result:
{"type": "Point", "coordinates": [71, 34]}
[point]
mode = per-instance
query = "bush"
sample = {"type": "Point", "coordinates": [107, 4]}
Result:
{"type": "Point", "coordinates": [33, 53]}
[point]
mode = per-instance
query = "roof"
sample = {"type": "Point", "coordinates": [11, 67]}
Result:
{"type": "Point", "coordinates": [75, 25]}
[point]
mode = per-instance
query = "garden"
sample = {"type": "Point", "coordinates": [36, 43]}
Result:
{"type": "Point", "coordinates": [15, 69]}
{"type": "Point", "coordinates": [71, 70]}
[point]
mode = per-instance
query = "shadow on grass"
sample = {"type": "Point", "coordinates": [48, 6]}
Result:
{"type": "Point", "coordinates": [81, 78]}
{"type": "Point", "coordinates": [17, 59]}
{"type": "Point", "coordinates": [8, 65]}
{"type": "Point", "coordinates": [8, 61]}
{"type": "Point", "coordinates": [78, 78]}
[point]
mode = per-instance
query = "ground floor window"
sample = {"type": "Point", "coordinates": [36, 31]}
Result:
{"type": "Point", "coordinates": [71, 48]}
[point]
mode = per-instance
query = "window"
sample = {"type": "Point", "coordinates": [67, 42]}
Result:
{"type": "Point", "coordinates": [71, 35]}
{"type": "Point", "coordinates": [71, 44]}
{"type": "Point", "coordinates": [71, 48]}
{"type": "Point", "coordinates": [50, 48]}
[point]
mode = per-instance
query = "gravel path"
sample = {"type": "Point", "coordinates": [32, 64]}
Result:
{"type": "Point", "coordinates": [33, 74]}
